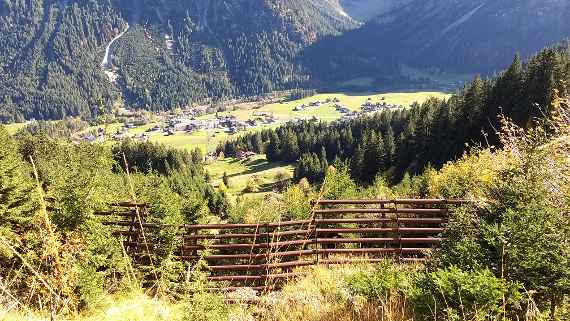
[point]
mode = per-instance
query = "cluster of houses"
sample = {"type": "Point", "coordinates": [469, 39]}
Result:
{"type": "Point", "coordinates": [367, 107]}
{"type": "Point", "coordinates": [316, 104]}
{"type": "Point", "coordinates": [100, 137]}
{"type": "Point", "coordinates": [341, 109]}
{"type": "Point", "coordinates": [370, 107]}
{"type": "Point", "coordinates": [228, 123]}
{"type": "Point", "coordinates": [123, 133]}
{"type": "Point", "coordinates": [97, 136]}
{"type": "Point", "coordinates": [188, 125]}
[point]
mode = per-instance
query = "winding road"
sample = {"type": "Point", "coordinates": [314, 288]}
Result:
{"type": "Point", "coordinates": [105, 62]}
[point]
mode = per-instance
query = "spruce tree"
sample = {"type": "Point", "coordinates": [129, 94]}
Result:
{"type": "Point", "coordinates": [17, 189]}
{"type": "Point", "coordinates": [274, 148]}
{"type": "Point", "coordinates": [389, 148]}
{"type": "Point", "coordinates": [357, 162]}
{"type": "Point", "coordinates": [380, 149]}
{"type": "Point", "coordinates": [323, 161]}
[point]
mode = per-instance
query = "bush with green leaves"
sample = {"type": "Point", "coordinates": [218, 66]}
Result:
{"type": "Point", "coordinates": [453, 294]}
{"type": "Point", "coordinates": [386, 280]}
{"type": "Point", "coordinates": [252, 185]}
{"type": "Point", "coordinates": [338, 183]}
{"type": "Point", "coordinates": [446, 294]}
{"type": "Point", "coordinates": [203, 304]}
{"type": "Point", "coordinates": [18, 200]}
{"type": "Point", "coordinates": [520, 228]}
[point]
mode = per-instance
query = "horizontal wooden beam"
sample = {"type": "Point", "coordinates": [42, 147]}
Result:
{"type": "Point", "coordinates": [233, 226]}
{"type": "Point", "coordinates": [253, 277]}
{"type": "Point", "coordinates": [267, 266]}
{"type": "Point", "coordinates": [381, 211]}
{"type": "Point", "coordinates": [251, 256]}
{"type": "Point", "coordinates": [378, 240]}
{"type": "Point", "coordinates": [246, 235]}
{"type": "Point", "coordinates": [393, 201]}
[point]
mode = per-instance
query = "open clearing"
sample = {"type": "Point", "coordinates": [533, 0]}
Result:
{"type": "Point", "coordinates": [284, 111]}
{"type": "Point", "coordinates": [13, 128]}
{"type": "Point", "coordinates": [254, 168]}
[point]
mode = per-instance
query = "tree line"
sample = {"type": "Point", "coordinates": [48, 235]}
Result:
{"type": "Point", "coordinates": [395, 142]}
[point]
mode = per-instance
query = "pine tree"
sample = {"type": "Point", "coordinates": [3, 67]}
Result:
{"type": "Point", "coordinates": [323, 161]}
{"type": "Point", "coordinates": [389, 148]}
{"type": "Point", "coordinates": [370, 166]}
{"type": "Point", "coordinates": [17, 201]}
{"type": "Point", "coordinates": [357, 162]}
{"type": "Point", "coordinates": [257, 143]}
{"type": "Point", "coordinates": [291, 148]}
{"type": "Point", "coordinates": [274, 148]}
{"type": "Point", "coordinates": [380, 149]}
{"type": "Point", "coordinates": [507, 94]}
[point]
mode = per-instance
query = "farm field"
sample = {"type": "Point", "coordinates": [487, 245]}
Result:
{"type": "Point", "coordinates": [13, 128]}
{"type": "Point", "coordinates": [207, 141]}
{"type": "Point", "coordinates": [353, 101]}
{"type": "Point", "coordinates": [254, 168]}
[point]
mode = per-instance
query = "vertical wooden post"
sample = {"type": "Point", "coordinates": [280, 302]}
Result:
{"type": "Point", "coordinates": [399, 233]}
{"type": "Point", "coordinates": [268, 239]}
{"type": "Point", "coordinates": [383, 224]}
{"type": "Point", "coordinates": [315, 238]}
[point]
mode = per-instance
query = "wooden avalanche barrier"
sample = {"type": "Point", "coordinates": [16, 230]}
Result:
{"type": "Point", "coordinates": [262, 256]}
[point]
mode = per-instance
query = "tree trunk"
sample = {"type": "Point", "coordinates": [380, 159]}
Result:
{"type": "Point", "coordinates": [553, 308]}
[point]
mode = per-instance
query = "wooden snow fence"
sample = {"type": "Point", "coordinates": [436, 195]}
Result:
{"type": "Point", "coordinates": [262, 256]}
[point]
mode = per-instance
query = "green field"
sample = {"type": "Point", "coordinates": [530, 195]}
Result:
{"type": "Point", "coordinates": [240, 172]}
{"type": "Point", "coordinates": [13, 128]}
{"type": "Point", "coordinates": [284, 111]}
{"type": "Point", "coordinates": [207, 141]}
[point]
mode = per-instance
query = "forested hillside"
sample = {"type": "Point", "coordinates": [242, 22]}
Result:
{"type": "Point", "coordinates": [48, 58]}
{"type": "Point", "coordinates": [450, 36]}
{"type": "Point", "coordinates": [394, 142]}
{"type": "Point", "coordinates": [178, 53]}
{"type": "Point", "coordinates": [175, 54]}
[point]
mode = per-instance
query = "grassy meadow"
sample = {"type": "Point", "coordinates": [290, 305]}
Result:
{"type": "Point", "coordinates": [284, 111]}
{"type": "Point", "coordinates": [255, 168]}
{"type": "Point", "coordinates": [13, 128]}
{"type": "Point", "coordinates": [208, 140]}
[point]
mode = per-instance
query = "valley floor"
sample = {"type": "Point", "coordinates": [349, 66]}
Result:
{"type": "Point", "coordinates": [208, 140]}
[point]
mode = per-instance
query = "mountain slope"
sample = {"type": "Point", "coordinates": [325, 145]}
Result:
{"type": "Point", "coordinates": [175, 53]}
{"type": "Point", "coordinates": [474, 35]}
{"type": "Point", "coordinates": [364, 10]}
{"type": "Point", "coordinates": [178, 53]}
{"type": "Point", "coordinates": [47, 65]}
{"type": "Point", "coordinates": [459, 36]}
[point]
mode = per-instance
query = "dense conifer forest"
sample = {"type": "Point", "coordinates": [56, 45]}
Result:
{"type": "Point", "coordinates": [396, 142]}
{"type": "Point", "coordinates": [176, 54]}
